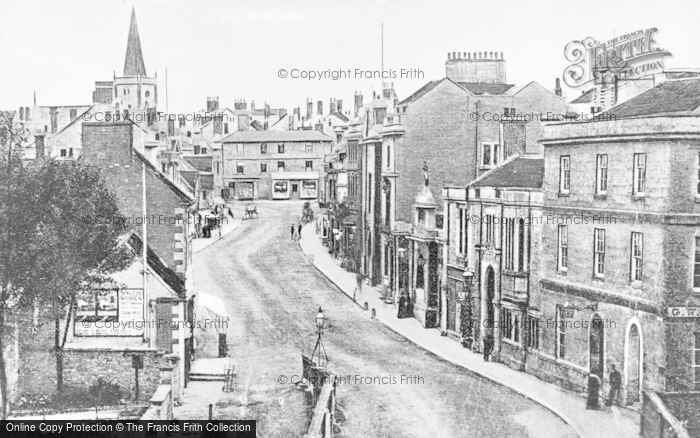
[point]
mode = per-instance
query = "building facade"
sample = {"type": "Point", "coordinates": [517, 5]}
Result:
{"type": "Point", "coordinates": [274, 164]}
{"type": "Point", "coordinates": [618, 280]}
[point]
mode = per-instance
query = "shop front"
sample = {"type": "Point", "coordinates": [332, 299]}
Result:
{"type": "Point", "coordinates": [295, 185]}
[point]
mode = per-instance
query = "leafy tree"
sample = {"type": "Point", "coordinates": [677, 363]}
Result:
{"type": "Point", "coordinates": [51, 248]}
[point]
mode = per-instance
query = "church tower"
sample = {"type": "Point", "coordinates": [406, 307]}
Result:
{"type": "Point", "coordinates": [135, 91]}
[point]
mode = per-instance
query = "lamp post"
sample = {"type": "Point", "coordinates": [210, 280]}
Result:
{"type": "Point", "coordinates": [320, 322]}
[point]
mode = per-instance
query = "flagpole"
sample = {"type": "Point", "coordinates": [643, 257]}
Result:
{"type": "Point", "coordinates": [144, 249]}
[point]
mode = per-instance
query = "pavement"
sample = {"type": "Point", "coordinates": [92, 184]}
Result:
{"type": "Point", "coordinates": [568, 405]}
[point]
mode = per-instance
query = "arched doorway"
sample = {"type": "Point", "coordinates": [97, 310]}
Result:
{"type": "Point", "coordinates": [597, 347]}
{"type": "Point", "coordinates": [490, 295]}
{"type": "Point", "coordinates": [633, 364]}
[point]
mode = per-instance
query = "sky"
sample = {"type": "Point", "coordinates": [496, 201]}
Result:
{"type": "Point", "coordinates": [235, 49]}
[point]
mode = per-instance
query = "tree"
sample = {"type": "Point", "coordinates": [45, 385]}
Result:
{"type": "Point", "coordinates": [51, 245]}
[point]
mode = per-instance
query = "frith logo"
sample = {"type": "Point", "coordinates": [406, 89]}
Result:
{"type": "Point", "coordinates": [627, 56]}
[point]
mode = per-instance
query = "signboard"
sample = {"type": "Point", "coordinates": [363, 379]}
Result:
{"type": "Point", "coordinates": [627, 56]}
{"type": "Point", "coordinates": [684, 312]}
{"type": "Point", "coordinates": [109, 312]}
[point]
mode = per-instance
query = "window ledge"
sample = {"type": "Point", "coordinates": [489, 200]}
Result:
{"type": "Point", "coordinates": [563, 272]}
{"type": "Point", "coordinates": [600, 196]}
{"type": "Point", "coordinates": [563, 194]}
{"type": "Point", "coordinates": [600, 278]}
{"type": "Point", "coordinates": [636, 284]}
{"type": "Point", "coordinates": [638, 197]}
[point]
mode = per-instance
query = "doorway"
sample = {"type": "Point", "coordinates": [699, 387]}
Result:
{"type": "Point", "coordinates": [597, 347]}
{"type": "Point", "coordinates": [295, 190]}
{"type": "Point", "coordinates": [634, 364]}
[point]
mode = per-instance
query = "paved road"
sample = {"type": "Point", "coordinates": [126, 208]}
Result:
{"type": "Point", "coordinates": [273, 296]}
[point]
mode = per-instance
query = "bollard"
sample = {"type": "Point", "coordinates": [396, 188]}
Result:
{"type": "Point", "coordinates": [211, 411]}
{"type": "Point", "coordinates": [366, 305]}
{"type": "Point", "coordinates": [374, 313]}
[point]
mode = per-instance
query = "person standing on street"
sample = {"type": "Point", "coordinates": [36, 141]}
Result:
{"type": "Point", "coordinates": [293, 233]}
{"type": "Point", "coordinates": [488, 346]}
{"type": "Point", "coordinates": [615, 384]}
{"type": "Point", "coordinates": [299, 234]}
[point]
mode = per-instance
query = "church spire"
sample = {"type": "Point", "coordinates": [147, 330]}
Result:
{"type": "Point", "coordinates": [133, 63]}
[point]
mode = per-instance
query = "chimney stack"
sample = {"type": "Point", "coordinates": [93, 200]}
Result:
{"type": "Point", "coordinates": [331, 106]}
{"type": "Point", "coordinates": [339, 106]}
{"type": "Point", "coordinates": [309, 108]}
{"type": "Point", "coordinates": [358, 103]}
{"type": "Point", "coordinates": [319, 109]}
{"type": "Point", "coordinates": [212, 104]}
{"type": "Point", "coordinates": [240, 104]}
{"type": "Point", "coordinates": [252, 105]}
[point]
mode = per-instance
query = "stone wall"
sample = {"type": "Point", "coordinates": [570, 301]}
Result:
{"type": "Point", "coordinates": [82, 368]}
{"type": "Point", "coordinates": [686, 408]}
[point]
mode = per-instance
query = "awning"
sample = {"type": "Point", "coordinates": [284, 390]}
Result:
{"type": "Point", "coordinates": [213, 305]}
{"type": "Point", "coordinates": [294, 175]}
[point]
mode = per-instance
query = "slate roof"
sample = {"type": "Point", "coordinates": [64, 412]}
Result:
{"type": "Point", "coordinates": [669, 98]}
{"type": "Point", "coordinates": [202, 163]}
{"type": "Point", "coordinates": [206, 181]}
{"type": "Point", "coordinates": [421, 91]}
{"type": "Point", "coordinates": [520, 172]}
{"type": "Point", "coordinates": [479, 89]}
{"type": "Point", "coordinates": [341, 116]}
{"type": "Point", "coordinates": [170, 277]}
{"type": "Point", "coordinates": [190, 176]}
{"type": "Point", "coordinates": [184, 197]}
{"type": "Point", "coordinates": [275, 136]}
{"type": "Point", "coordinates": [586, 97]}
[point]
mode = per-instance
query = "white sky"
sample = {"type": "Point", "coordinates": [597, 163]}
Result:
{"type": "Point", "coordinates": [234, 49]}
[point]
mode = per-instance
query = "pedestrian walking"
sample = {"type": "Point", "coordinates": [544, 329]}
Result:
{"type": "Point", "coordinates": [230, 212]}
{"type": "Point", "coordinates": [299, 235]}
{"type": "Point", "coordinates": [488, 346]}
{"type": "Point", "coordinates": [293, 232]}
{"type": "Point", "coordinates": [402, 306]}
{"type": "Point", "coordinates": [594, 384]}
{"type": "Point", "coordinates": [615, 384]}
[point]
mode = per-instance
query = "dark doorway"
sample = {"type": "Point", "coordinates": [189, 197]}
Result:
{"type": "Point", "coordinates": [634, 357]}
{"type": "Point", "coordinates": [490, 295]}
{"type": "Point", "coordinates": [295, 190]}
{"type": "Point", "coordinates": [597, 347]}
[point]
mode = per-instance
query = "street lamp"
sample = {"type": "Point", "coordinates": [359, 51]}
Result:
{"type": "Point", "coordinates": [320, 322]}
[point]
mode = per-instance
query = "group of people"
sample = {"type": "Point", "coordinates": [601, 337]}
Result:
{"type": "Point", "coordinates": [405, 306]}
{"type": "Point", "coordinates": [595, 384]}
{"type": "Point", "coordinates": [296, 231]}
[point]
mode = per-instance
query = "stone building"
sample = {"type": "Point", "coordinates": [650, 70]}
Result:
{"type": "Point", "coordinates": [494, 236]}
{"type": "Point", "coordinates": [619, 273]}
{"type": "Point", "coordinates": [275, 164]}
{"type": "Point", "coordinates": [461, 126]}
